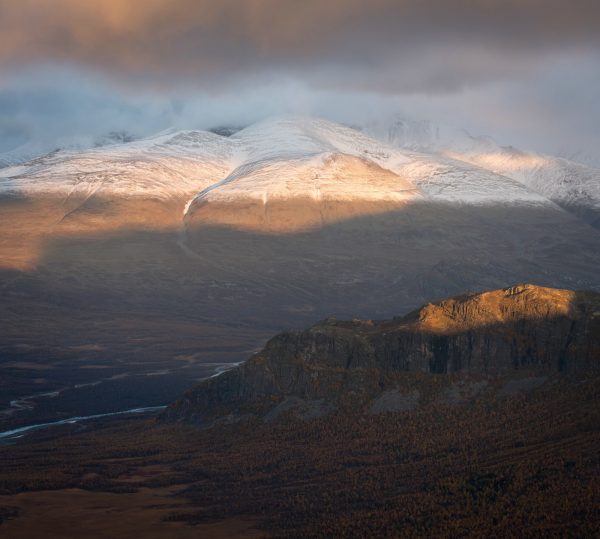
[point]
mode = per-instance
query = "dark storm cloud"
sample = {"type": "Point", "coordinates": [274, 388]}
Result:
{"type": "Point", "coordinates": [389, 45]}
{"type": "Point", "coordinates": [524, 71]}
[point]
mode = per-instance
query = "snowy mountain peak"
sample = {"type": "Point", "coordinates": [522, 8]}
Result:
{"type": "Point", "coordinates": [284, 157]}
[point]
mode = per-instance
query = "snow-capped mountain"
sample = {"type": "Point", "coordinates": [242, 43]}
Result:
{"type": "Point", "coordinates": [35, 149]}
{"type": "Point", "coordinates": [282, 174]}
{"type": "Point", "coordinates": [284, 221]}
{"type": "Point", "coordinates": [163, 166]}
{"type": "Point", "coordinates": [573, 185]}
{"type": "Point", "coordinates": [277, 158]}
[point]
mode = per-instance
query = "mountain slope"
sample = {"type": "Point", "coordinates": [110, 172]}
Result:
{"type": "Point", "coordinates": [163, 166]}
{"type": "Point", "coordinates": [261, 158]}
{"type": "Point", "coordinates": [289, 156]}
{"type": "Point", "coordinates": [574, 186]}
{"type": "Point", "coordinates": [283, 175]}
{"type": "Point", "coordinates": [280, 224]}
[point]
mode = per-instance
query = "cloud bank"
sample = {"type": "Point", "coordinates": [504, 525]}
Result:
{"type": "Point", "coordinates": [527, 70]}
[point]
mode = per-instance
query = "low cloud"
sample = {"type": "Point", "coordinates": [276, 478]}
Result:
{"type": "Point", "coordinates": [524, 71]}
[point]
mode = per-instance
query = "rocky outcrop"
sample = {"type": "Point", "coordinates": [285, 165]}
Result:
{"type": "Point", "coordinates": [517, 329]}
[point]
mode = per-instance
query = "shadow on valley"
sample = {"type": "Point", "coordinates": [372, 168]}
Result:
{"type": "Point", "coordinates": [524, 464]}
{"type": "Point", "coordinates": [475, 416]}
{"type": "Point", "coordinates": [133, 301]}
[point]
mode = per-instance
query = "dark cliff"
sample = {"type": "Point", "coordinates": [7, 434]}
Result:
{"type": "Point", "coordinates": [380, 364]}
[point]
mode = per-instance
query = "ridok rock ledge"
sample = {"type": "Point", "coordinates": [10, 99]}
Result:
{"type": "Point", "coordinates": [522, 334]}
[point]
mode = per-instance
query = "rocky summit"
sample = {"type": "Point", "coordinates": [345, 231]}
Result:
{"type": "Point", "coordinates": [507, 340]}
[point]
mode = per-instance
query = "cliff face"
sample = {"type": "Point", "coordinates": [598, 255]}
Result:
{"type": "Point", "coordinates": [504, 332]}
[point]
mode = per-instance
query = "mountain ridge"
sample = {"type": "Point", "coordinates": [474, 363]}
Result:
{"type": "Point", "coordinates": [442, 164]}
{"type": "Point", "coordinates": [526, 331]}
{"type": "Point", "coordinates": [575, 186]}
{"type": "Point", "coordinates": [194, 160]}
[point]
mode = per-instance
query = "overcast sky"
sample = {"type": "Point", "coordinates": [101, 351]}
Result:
{"type": "Point", "coordinates": [526, 72]}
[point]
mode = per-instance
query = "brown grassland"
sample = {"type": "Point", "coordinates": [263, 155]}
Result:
{"type": "Point", "coordinates": [524, 466]}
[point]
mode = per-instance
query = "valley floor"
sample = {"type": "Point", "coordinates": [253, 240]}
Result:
{"type": "Point", "coordinates": [523, 466]}
{"type": "Point", "coordinates": [74, 513]}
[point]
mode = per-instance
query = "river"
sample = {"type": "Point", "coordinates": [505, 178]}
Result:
{"type": "Point", "coordinates": [21, 431]}
{"type": "Point", "coordinates": [28, 402]}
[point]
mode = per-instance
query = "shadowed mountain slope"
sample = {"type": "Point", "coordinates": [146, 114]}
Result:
{"type": "Point", "coordinates": [222, 241]}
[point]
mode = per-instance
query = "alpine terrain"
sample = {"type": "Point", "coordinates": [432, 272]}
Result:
{"type": "Point", "coordinates": [182, 253]}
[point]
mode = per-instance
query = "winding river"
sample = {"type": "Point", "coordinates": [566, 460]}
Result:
{"type": "Point", "coordinates": [28, 402]}
{"type": "Point", "coordinates": [21, 431]}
